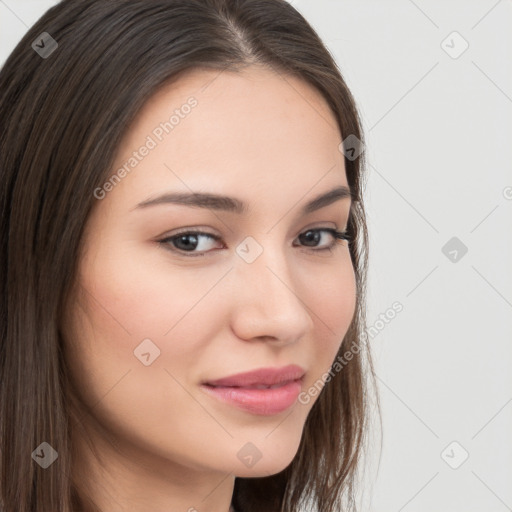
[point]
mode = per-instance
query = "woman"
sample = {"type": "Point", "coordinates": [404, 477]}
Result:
{"type": "Point", "coordinates": [183, 262]}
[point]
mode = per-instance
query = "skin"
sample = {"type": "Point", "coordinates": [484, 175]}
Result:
{"type": "Point", "coordinates": [273, 143]}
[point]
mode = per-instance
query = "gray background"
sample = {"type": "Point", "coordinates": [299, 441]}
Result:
{"type": "Point", "coordinates": [438, 124]}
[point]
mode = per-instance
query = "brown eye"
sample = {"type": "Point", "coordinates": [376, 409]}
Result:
{"type": "Point", "coordinates": [312, 237]}
{"type": "Point", "coordinates": [189, 242]}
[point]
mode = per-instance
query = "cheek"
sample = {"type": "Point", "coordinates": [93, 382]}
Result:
{"type": "Point", "coordinates": [146, 292]}
{"type": "Point", "coordinates": [138, 402]}
{"type": "Point", "coordinates": [124, 304]}
{"type": "Point", "coordinates": [332, 308]}
{"type": "Point", "coordinates": [337, 298]}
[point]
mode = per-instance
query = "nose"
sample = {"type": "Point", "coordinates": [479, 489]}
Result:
{"type": "Point", "coordinates": [268, 305]}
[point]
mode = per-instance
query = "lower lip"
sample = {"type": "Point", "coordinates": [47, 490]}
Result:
{"type": "Point", "coordinates": [265, 402]}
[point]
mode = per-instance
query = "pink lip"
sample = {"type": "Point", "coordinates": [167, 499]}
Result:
{"type": "Point", "coordinates": [240, 391]}
{"type": "Point", "coordinates": [262, 376]}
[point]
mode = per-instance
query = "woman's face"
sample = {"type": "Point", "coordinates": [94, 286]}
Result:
{"type": "Point", "coordinates": [156, 319]}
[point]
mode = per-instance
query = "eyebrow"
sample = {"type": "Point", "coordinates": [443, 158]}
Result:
{"type": "Point", "coordinates": [234, 205]}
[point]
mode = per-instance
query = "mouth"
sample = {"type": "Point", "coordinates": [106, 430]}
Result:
{"type": "Point", "coordinates": [265, 392]}
{"type": "Point", "coordinates": [265, 377]}
{"type": "Point", "coordinates": [256, 386]}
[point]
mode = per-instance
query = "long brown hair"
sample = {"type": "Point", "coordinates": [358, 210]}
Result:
{"type": "Point", "coordinates": [63, 115]}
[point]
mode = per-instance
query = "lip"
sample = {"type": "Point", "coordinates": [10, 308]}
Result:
{"type": "Point", "coordinates": [241, 390]}
{"type": "Point", "coordinates": [261, 376]}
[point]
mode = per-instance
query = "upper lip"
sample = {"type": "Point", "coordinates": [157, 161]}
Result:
{"type": "Point", "coordinates": [261, 376]}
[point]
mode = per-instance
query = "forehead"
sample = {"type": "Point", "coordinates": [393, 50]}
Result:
{"type": "Point", "coordinates": [253, 130]}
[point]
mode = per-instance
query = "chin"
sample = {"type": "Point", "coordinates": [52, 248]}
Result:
{"type": "Point", "coordinates": [265, 458]}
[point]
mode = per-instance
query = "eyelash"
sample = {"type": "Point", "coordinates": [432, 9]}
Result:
{"type": "Point", "coordinates": [337, 235]}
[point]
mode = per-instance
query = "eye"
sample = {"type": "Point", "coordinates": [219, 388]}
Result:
{"type": "Point", "coordinates": [189, 241]}
{"type": "Point", "coordinates": [315, 235]}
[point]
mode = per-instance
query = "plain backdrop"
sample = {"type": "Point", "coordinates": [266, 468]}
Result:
{"type": "Point", "coordinates": [433, 82]}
